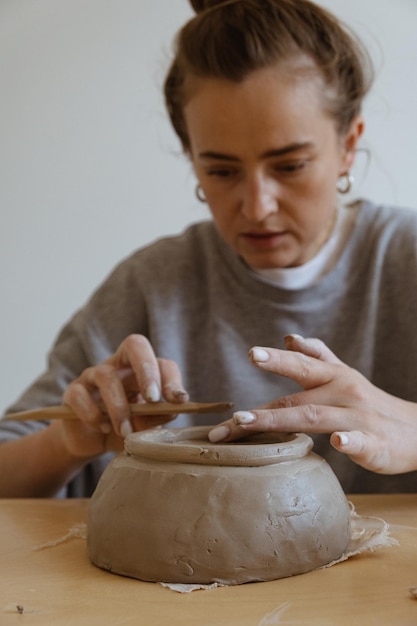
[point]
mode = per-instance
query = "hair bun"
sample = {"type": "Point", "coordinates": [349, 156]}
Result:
{"type": "Point", "coordinates": [202, 5]}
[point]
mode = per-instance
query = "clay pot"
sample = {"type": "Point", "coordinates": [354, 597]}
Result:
{"type": "Point", "coordinates": [176, 508]}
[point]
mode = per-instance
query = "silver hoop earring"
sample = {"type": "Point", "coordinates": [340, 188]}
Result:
{"type": "Point", "coordinates": [200, 194]}
{"type": "Point", "coordinates": [345, 183]}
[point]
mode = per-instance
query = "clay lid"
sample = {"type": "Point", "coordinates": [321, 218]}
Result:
{"type": "Point", "coordinates": [191, 445]}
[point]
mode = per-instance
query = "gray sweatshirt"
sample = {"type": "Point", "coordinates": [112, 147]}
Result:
{"type": "Point", "coordinates": [199, 304]}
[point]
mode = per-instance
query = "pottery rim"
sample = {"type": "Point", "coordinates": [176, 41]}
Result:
{"type": "Point", "coordinates": [191, 445]}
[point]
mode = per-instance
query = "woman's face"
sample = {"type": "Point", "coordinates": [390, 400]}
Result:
{"type": "Point", "coordinates": [268, 157]}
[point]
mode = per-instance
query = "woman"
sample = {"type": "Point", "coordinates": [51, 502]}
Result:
{"type": "Point", "coordinates": [265, 97]}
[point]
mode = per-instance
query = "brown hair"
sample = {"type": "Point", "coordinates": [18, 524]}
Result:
{"type": "Point", "coordinates": [229, 39]}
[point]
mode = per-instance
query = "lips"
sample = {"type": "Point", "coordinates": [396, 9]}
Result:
{"type": "Point", "coordinates": [263, 239]}
{"type": "Point", "coordinates": [263, 234]}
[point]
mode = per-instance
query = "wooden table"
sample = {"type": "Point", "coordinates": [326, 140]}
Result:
{"type": "Point", "coordinates": [59, 586]}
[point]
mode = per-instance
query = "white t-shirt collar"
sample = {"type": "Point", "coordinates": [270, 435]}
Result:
{"type": "Point", "coordinates": [326, 258]}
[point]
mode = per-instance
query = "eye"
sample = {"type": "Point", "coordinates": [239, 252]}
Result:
{"type": "Point", "coordinates": [221, 172]}
{"type": "Point", "coordinates": [290, 168]}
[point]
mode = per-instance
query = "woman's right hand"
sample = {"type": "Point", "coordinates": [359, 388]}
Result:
{"type": "Point", "coordinates": [100, 397]}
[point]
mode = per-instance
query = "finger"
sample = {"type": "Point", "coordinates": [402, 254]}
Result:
{"type": "Point", "coordinates": [78, 398]}
{"type": "Point", "coordinates": [240, 425]}
{"type": "Point", "coordinates": [329, 395]}
{"type": "Point", "coordinates": [171, 381]}
{"type": "Point", "coordinates": [305, 370]}
{"type": "Point", "coordinates": [226, 431]}
{"type": "Point", "coordinates": [362, 449]}
{"type": "Point", "coordinates": [310, 347]}
{"type": "Point", "coordinates": [84, 441]}
{"type": "Point", "coordinates": [136, 352]}
{"type": "Point", "coordinates": [307, 418]}
{"type": "Point", "coordinates": [106, 379]}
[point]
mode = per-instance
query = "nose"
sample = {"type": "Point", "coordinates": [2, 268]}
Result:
{"type": "Point", "coordinates": [259, 198]}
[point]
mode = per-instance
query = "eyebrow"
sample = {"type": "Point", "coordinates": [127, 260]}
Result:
{"type": "Point", "coordinates": [293, 147]}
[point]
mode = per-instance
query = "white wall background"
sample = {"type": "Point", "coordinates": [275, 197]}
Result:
{"type": "Point", "coordinates": [90, 169]}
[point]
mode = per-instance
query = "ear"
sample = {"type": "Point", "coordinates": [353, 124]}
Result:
{"type": "Point", "coordinates": [350, 142]}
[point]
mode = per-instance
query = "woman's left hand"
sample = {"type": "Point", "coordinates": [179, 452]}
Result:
{"type": "Point", "coordinates": [375, 429]}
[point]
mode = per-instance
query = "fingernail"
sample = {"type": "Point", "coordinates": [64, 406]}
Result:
{"type": "Point", "coordinates": [258, 354]}
{"type": "Point", "coordinates": [126, 429]}
{"type": "Point", "coordinates": [244, 417]}
{"type": "Point", "coordinates": [180, 394]}
{"type": "Point", "coordinates": [294, 336]}
{"type": "Point", "coordinates": [218, 434]}
{"type": "Point", "coordinates": [343, 439]}
{"type": "Point", "coordinates": [152, 393]}
{"type": "Point", "coordinates": [174, 392]}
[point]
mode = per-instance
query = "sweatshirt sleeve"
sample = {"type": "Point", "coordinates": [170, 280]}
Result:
{"type": "Point", "coordinates": [114, 311]}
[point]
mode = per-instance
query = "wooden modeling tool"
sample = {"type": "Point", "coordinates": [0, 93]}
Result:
{"type": "Point", "coordinates": [146, 408]}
